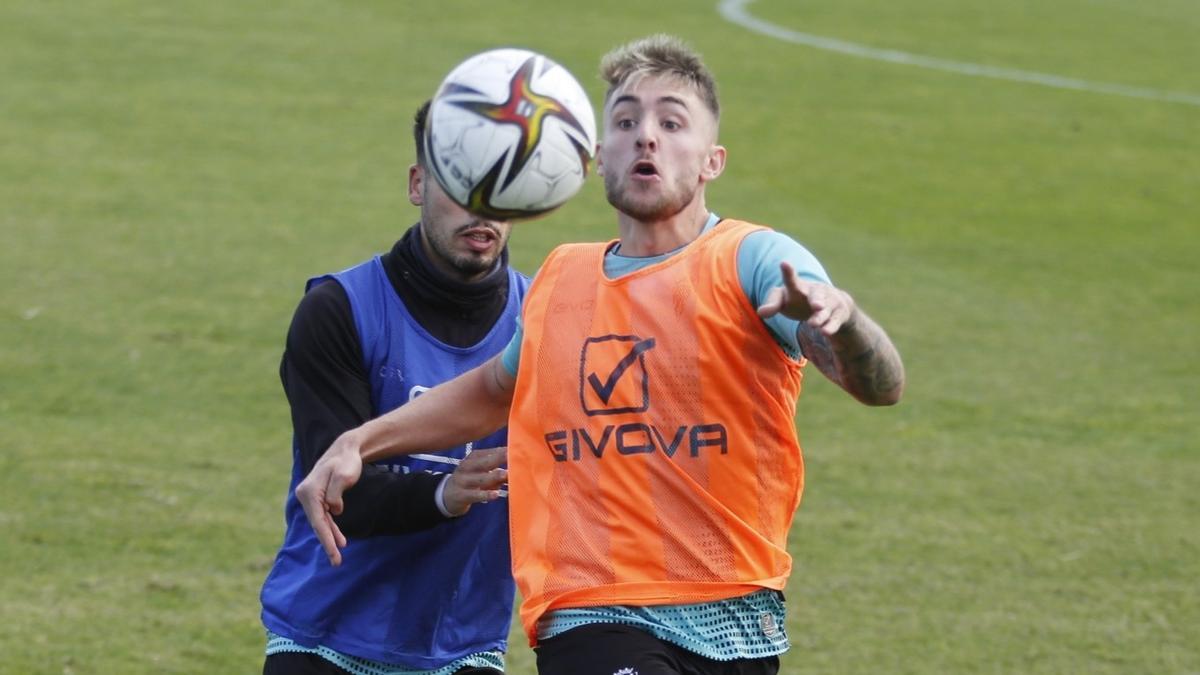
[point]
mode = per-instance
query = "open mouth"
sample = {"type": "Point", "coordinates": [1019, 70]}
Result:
{"type": "Point", "coordinates": [479, 237]}
{"type": "Point", "coordinates": [645, 169]}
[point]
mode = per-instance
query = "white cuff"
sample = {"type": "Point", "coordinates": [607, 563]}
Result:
{"type": "Point", "coordinates": [439, 499]}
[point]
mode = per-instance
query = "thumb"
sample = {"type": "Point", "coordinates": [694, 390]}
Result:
{"type": "Point", "coordinates": [772, 303]}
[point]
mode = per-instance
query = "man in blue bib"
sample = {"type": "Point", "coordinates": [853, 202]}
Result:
{"type": "Point", "coordinates": [426, 583]}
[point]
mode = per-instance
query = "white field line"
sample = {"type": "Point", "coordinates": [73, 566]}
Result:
{"type": "Point", "coordinates": [735, 11]}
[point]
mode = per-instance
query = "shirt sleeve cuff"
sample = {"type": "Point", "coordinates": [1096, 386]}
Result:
{"type": "Point", "coordinates": [439, 499]}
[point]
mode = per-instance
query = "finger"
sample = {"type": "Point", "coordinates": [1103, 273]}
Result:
{"type": "Point", "coordinates": [333, 495]}
{"type": "Point", "coordinates": [786, 269]}
{"type": "Point", "coordinates": [772, 303]}
{"type": "Point", "coordinates": [332, 540]}
{"type": "Point", "coordinates": [481, 496]}
{"type": "Point", "coordinates": [492, 479]}
{"type": "Point", "coordinates": [458, 499]}
{"type": "Point", "coordinates": [338, 537]}
{"type": "Point", "coordinates": [483, 480]}
{"type": "Point", "coordinates": [483, 460]}
{"type": "Point", "coordinates": [832, 309]}
{"type": "Point", "coordinates": [820, 318]}
{"type": "Point", "coordinates": [831, 314]}
{"type": "Point", "coordinates": [790, 279]}
{"type": "Point", "coordinates": [322, 525]}
{"type": "Point", "coordinates": [838, 320]}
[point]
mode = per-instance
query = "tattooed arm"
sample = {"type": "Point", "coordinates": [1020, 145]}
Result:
{"type": "Point", "coordinates": [839, 338]}
{"type": "Point", "coordinates": [859, 358]}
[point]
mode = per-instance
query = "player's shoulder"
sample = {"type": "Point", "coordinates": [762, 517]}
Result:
{"type": "Point", "coordinates": [572, 253]}
{"type": "Point", "coordinates": [762, 250]}
{"type": "Point", "coordinates": [520, 282]}
{"type": "Point", "coordinates": [581, 246]}
{"type": "Point", "coordinates": [758, 236]}
{"type": "Point", "coordinates": [773, 243]}
{"type": "Point", "coordinates": [324, 294]}
{"type": "Point", "coordinates": [325, 308]}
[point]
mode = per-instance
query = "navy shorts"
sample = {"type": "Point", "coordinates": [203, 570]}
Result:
{"type": "Point", "coordinates": [613, 649]}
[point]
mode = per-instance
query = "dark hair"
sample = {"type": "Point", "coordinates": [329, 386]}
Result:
{"type": "Point", "coordinates": [419, 120]}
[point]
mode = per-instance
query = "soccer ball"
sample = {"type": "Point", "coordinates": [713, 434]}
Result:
{"type": "Point", "coordinates": [510, 134]}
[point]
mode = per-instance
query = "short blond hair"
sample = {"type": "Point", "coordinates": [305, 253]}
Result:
{"type": "Point", "coordinates": [659, 54]}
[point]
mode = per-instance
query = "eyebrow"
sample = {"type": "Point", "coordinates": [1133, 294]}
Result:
{"type": "Point", "coordinates": [628, 98]}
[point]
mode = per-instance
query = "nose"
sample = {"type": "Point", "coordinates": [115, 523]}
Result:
{"type": "Point", "coordinates": [645, 137]}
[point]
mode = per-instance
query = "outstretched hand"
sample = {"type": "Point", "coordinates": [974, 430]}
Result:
{"type": "Point", "coordinates": [822, 306]}
{"type": "Point", "coordinates": [477, 479]}
{"type": "Point", "coordinates": [320, 493]}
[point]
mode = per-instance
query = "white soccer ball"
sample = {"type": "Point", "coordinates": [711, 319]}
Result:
{"type": "Point", "coordinates": [510, 134]}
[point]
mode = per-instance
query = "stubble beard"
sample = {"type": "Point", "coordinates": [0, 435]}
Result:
{"type": "Point", "coordinates": [624, 198]}
{"type": "Point", "coordinates": [466, 264]}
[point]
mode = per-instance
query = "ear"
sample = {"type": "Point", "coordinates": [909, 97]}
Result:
{"type": "Point", "coordinates": [599, 162]}
{"type": "Point", "coordinates": [416, 185]}
{"type": "Point", "coordinates": [714, 164]}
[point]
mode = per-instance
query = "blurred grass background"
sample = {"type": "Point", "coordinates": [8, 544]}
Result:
{"type": "Point", "coordinates": [170, 173]}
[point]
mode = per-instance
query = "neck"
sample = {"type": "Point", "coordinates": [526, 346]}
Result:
{"type": "Point", "coordinates": [437, 284]}
{"type": "Point", "coordinates": [458, 314]}
{"type": "Point", "coordinates": [642, 238]}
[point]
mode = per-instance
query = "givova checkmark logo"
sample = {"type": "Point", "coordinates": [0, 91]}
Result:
{"type": "Point", "coordinates": [612, 374]}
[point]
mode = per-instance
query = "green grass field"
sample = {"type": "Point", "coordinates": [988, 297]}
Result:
{"type": "Point", "coordinates": [170, 173]}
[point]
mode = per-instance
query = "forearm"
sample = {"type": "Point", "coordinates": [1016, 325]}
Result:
{"type": "Point", "coordinates": [386, 503]}
{"type": "Point", "coordinates": [867, 364]}
{"type": "Point", "coordinates": [466, 408]}
{"type": "Point", "coordinates": [328, 392]}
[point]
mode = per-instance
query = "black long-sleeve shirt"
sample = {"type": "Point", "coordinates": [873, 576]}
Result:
{"type": "Point", "coordinates": [329, 391]}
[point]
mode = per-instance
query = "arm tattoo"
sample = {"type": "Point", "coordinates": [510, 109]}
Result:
{"type": "Point", "coordinates": [859, 358]}
{"type": "Point", "coordinates": [816, 348]}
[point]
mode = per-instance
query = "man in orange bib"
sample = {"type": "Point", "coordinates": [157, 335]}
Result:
{"type": "Point", "coordinates": [654, 467]}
